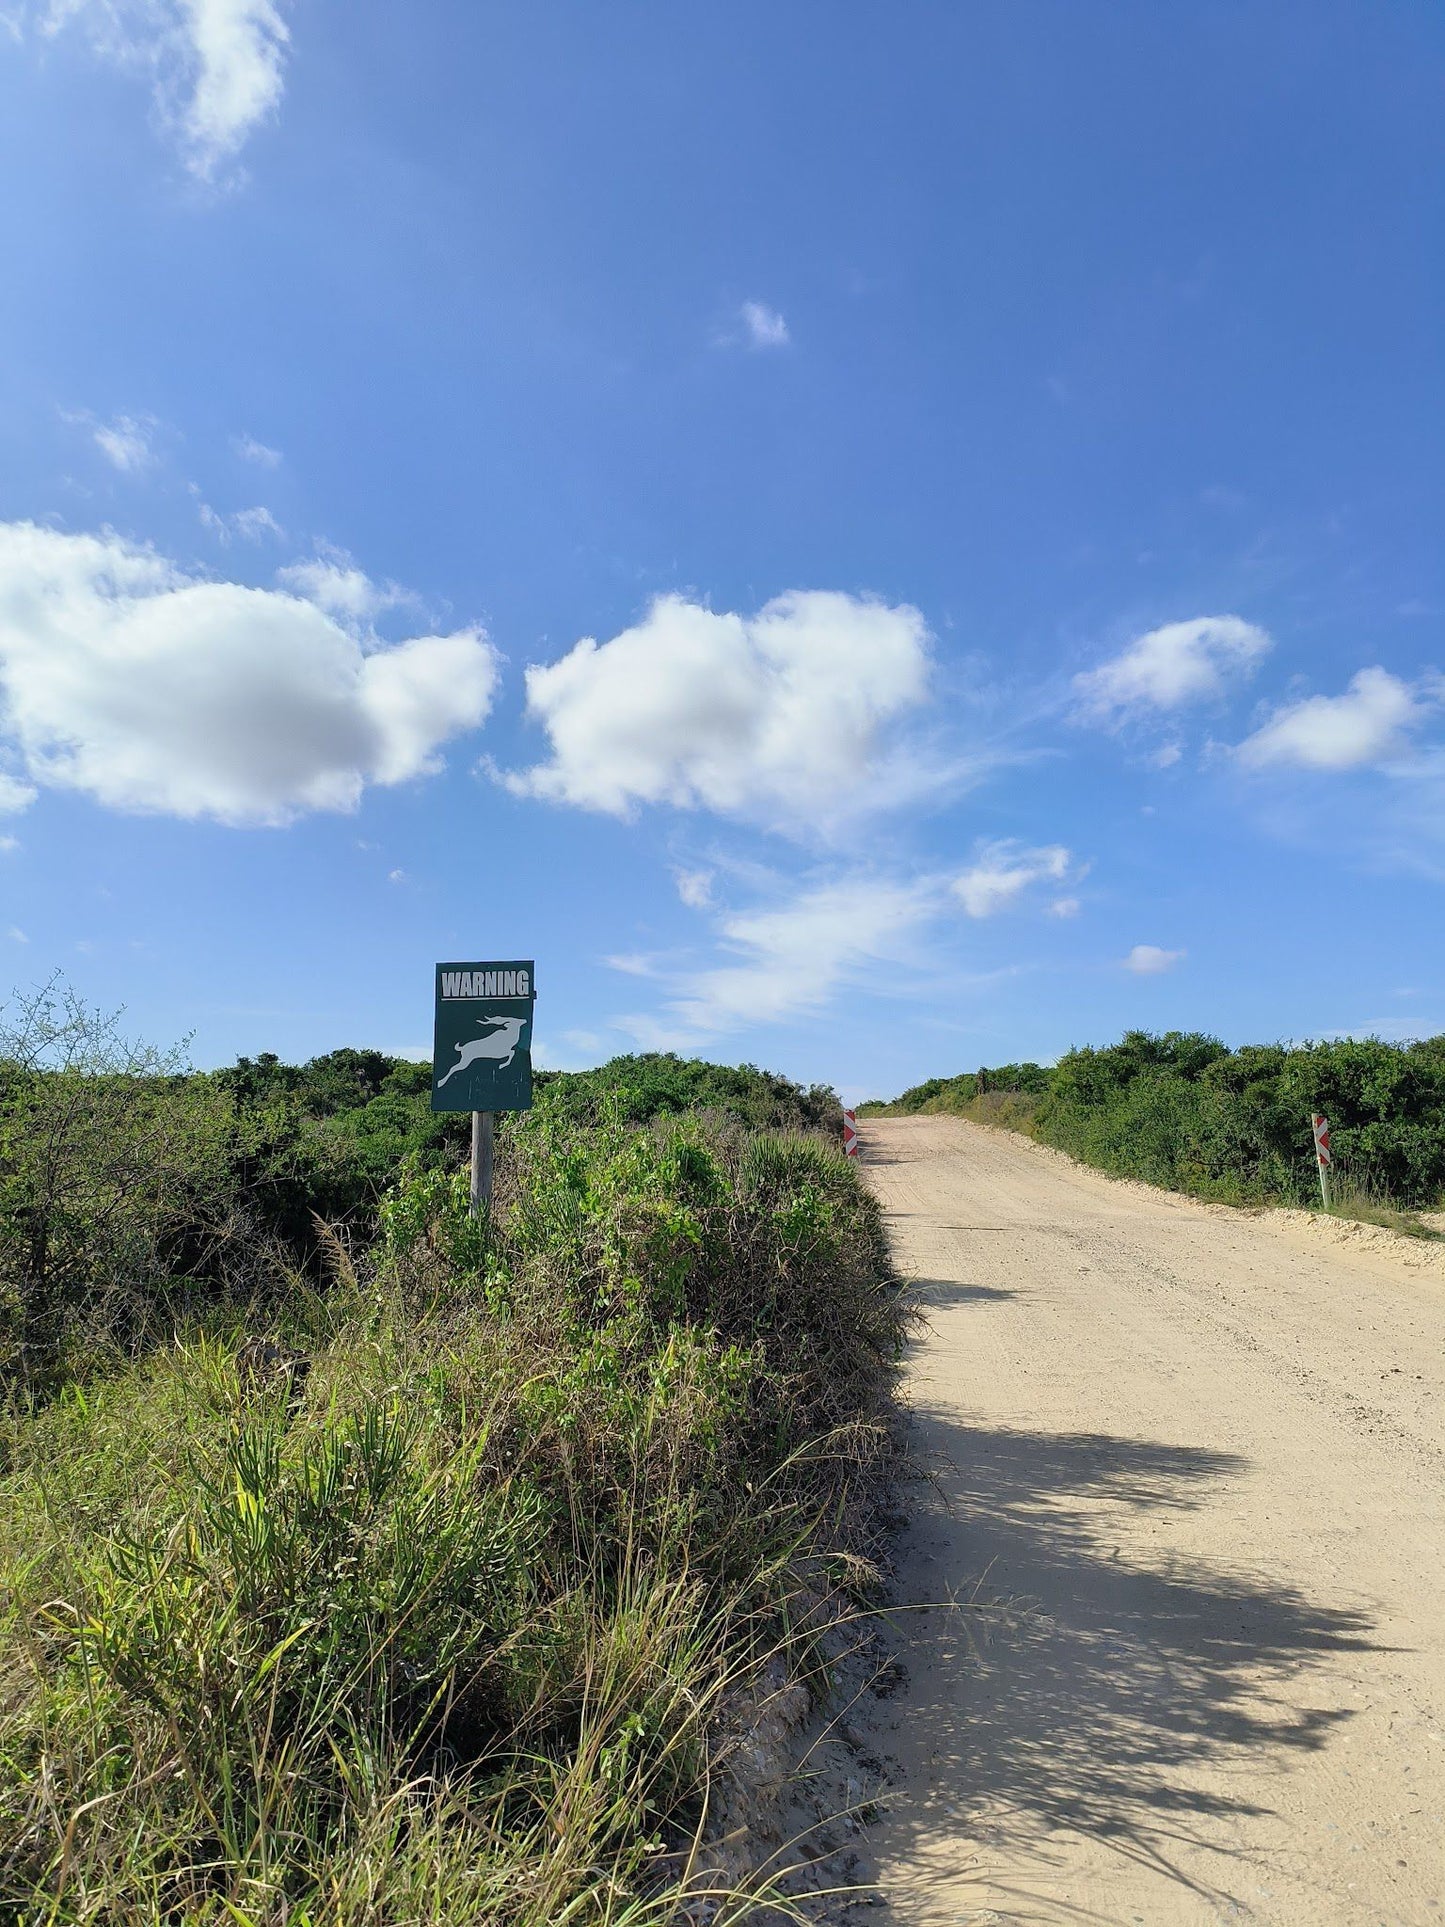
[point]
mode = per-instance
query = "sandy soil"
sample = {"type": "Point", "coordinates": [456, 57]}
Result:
{"type": "Point", "coordinates": [1190, 1497]}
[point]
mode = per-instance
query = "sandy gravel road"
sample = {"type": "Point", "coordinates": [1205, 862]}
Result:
{"type": "Point", "coordinates": [1191, 1491]}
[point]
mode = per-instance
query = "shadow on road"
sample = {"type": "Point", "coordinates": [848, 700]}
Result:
{"type": "Point", "coordinates": [1081, 1691]}
{"type": "Point", "coordinates": [942, 1292]}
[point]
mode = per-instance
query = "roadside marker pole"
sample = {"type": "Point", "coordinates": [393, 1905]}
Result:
{"type": "Point", "coordinates": [850, 1134]}
{"type": "Point", "coordinates": [481, 1161]}
{"type": "Point", "coordinates": [1320, 1125]}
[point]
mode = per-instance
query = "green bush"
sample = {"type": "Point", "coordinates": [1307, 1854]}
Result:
{"type": "Point", "coordinates": [659, 1084]}
{"type": "Point", "coordinates": [1185, 1111]}
{"type": "Point", "coordinates": [133, 1191]}
{"type": "Point", "coordinates": [446, 1634]}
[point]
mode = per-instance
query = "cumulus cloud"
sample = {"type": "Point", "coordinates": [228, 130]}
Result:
{"type": "Point", "coordinates": [217, 65]}
{"type": "Point", "coordinates": [1170, 667]}
{"type": "Point", "coordinates": [1369, 724]}
{"type": "Point", "coordinates": [763, 326]}
{"type": "Point", "coordinates": [1004, 871]}
{"type": "Point", "coordinates": [149, 689]}
{"type": "Point", "coordinates": [789, 960]}
{"type": "Point", "coordinates": [779, 716]}
{"type": "Point", "coordinates": [1148, 960]}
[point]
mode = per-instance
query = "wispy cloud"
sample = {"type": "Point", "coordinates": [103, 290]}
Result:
{"type": "Point", "coordinates": [332, 580]}
{"type": "Point", "coordinates": [15, 794]}
{"type": "Point", "coordinates": [250, 450]}
{"type": "Point", "coordinates": [251, 525]}
{"type": "Point", "coordinates": [632, 963]}
{"type": "Point", "coordinates": [1004, 871]}
{"type": "Point", "coordinates": [217, 67]}
{"type": "Point", "coordinates": [763, 326]}
{"type": "Point", "coordinates": [694, 887]}
{"type": "Point", "coordinates": [799, 956]}
{"type": "Point", "coordinates": [126, 441]}
{"type": "Point", "coordinates": [788, 961]}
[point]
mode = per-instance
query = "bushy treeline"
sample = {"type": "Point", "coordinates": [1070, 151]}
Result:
{"type": "Point", "coordinates": [433, 1587]}
{"type": "Point", "coordinates": [952, 1093]}
{"type": "Point", "coordinates": [1183, 1110]}
{"type": "Point", "coordinates": [133, 1189]}
{"type": "Point", "coordinates": [658, 1084]}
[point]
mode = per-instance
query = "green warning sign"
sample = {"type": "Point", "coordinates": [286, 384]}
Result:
{"type": "Point", "coordinates": [482, 1054]}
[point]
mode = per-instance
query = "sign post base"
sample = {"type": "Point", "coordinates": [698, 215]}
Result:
{"type": "Point", "coordinates": [481, 1161]}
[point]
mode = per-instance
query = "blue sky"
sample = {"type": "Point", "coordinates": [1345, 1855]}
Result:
{"type": "Point", "coordinates": [870, 539]}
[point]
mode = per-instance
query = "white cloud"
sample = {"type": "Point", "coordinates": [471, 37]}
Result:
{"type": "Point", "coordinates": [777, 716]}
{"type": "Point", "coordinates": [764, 326]}
{"type": "Point", "coordinates": [1065, 907]}
{"type": "Point", "coordinates": [631, 963]}
{"type": "Point", "coordinates": [790, 960]}
{"type": "Point", "coordinates": [1180, 663]}
{"type": "Point", "coordinates": [396, 876]}
{"type": "Point", "coordinates": [150, 689]}
{"type": "Point", "coordinates": [1004, 871]}
{"type": "Point", "coordinates": [334, 583]}
{"type": "Point", "coordinates": [125, 442]}
{"type": "Point", "coordinates": [250, 524]}
{"type": "Point", "coordinates": [1368, 724]}
{"type": "Point", "coordinates": [694, 887]}
{"type": "Point", "coordinates": [256, 522]}
{"type": "Point", "coordinates": [216, 65]}
{"type": "Point", "coordinates": [8, 845]}
{"type": "Point", "coordinates": [250, 450]}
{"type": "Point", "coordinates": [16, 934]}
{"type": "Point", "coordinates": [14, 795]}
{"type": "Point", "coordinates": [1148, 960]}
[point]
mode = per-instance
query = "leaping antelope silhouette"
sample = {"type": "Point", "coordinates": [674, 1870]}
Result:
{"type": "Point", "coordinates": [500, 1042]}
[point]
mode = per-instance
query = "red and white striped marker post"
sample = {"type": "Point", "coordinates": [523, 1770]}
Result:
{"type": "Point", "coordinates": [850, 1134]}
{"type": "Point", "coordinates": [1321, 1127]}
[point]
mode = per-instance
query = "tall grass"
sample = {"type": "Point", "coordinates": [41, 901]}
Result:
{"type": "Point", "coordinates": [458, 1633]}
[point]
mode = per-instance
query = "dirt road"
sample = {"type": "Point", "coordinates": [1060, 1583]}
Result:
{"type": "Point", "coordinates": [1191, 1491]}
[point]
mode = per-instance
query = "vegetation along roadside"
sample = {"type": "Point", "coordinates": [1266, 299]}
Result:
{"type": "Point", "coordinates": [1184, 1111]}
{"type": "Point", "coordinates": [364, 1562]}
